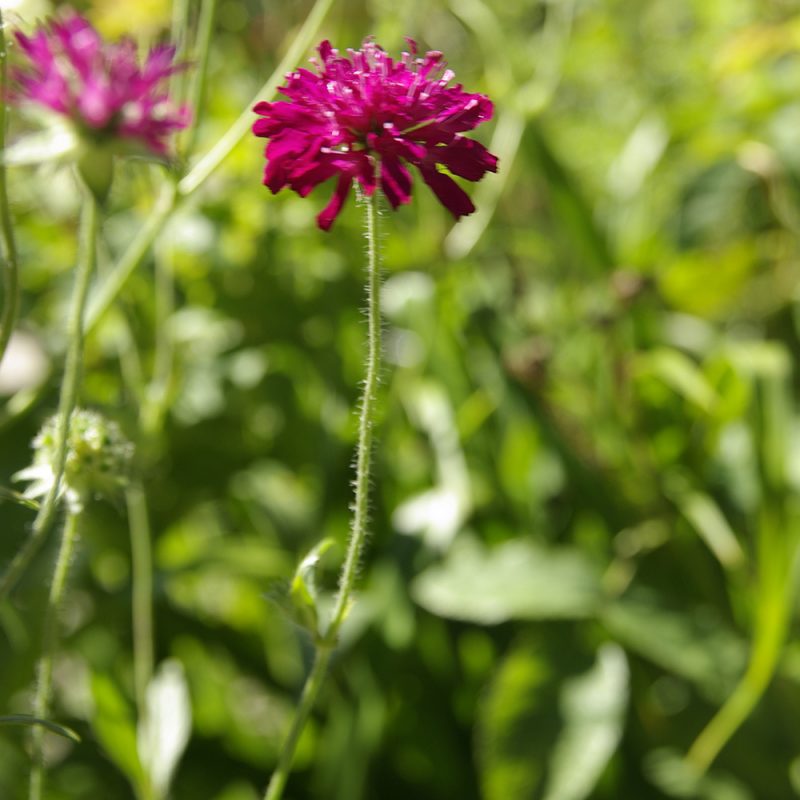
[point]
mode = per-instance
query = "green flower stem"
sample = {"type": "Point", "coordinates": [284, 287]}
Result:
{"type": "Point", "coordinates": [201, 171]}
{"type": "Point", "coordinates": [69, 394]}
{"type": "Point", "coordinates": [156, 393]}
{"type": "Point", "coordinates": [142, 599]}
{"type": "Point", "coordinates": [103, 298]}
{"type": "Point", "coordinates": [773, 613]}
{"type": "Point", "coordinates": [358, 530]}
{"type": "Point", "coordinates": [307, 699]}
{"type": "Point", "coordinates": [44, 685]}
{"type": "Point", "coordinates": [197, 89]}
{"type": "Point", "coordinates": [10, 270]}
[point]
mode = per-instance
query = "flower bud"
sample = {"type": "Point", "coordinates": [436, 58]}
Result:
{"type": "Point", "coordinates": [98, 460]}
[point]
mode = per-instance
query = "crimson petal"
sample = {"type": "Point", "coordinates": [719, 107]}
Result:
{"type": "Point", "coordinates": [328, 214]}
{"type": "Point", "coordinates": [450, 194]}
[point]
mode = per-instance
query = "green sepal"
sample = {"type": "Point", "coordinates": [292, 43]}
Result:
{"type": "Point", "coordinates": [96, 168]}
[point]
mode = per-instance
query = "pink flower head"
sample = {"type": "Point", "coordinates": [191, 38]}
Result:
{"type": "Point", "coordinates": [365, 117]}
{"type": "Point", "coordinates": [100, 85]}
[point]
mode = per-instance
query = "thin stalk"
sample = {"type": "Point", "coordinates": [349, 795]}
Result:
{"type": "Point", "coordinates": [10, 269]}
{"type": "Point", "coordinates": [767, 646]}
{"type": "Point", "coordinates": [179, 34]}
{"type": "Point", "coordinates": [68, 398]}
{"type": "Point", "coordinates": [202, 170]}
{"type": "Point", "coordinates": [358, 529]}
{"type": "Point", "coordinates": [197, 89]}
{"type": "Point", "coordinates": [775, 596]}
{"type": "Point", "coordinates": [132, 257]}
{"type": "Point", "coordinates": [44, 685]}
{"type": "Point", "coordinates": [156, 392]}
{"type": "Point", "coordinates": [142, 595]}
{"type": "Point", "coordinates": [307, 699]}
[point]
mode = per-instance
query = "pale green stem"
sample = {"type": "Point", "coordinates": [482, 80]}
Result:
{"type": "Point", "coordinates": [157, 391]}
{"type": "Point", "coordinates": [44, 683]}
{"type": "Point", "coordinates": [10, 270]}
{"type": "Point", "coordinates": [203, 49]}
{"type": "Point", "coordinates": [358, 529]}
{"type": "Point", "coordinates": [202, 170]}
{"type": "Point", "coordinates": [142, 599]}
{"type": "Point", "coordinates": [775, 597]}
{"type": "Point", "coordinates": [179, 34]}
{"type": "Point", "coordinates": [68, 397]}
{"type": "Point", "coordinates": [132, 257]}
{"type": "Point", "coordinates": [311, 689]}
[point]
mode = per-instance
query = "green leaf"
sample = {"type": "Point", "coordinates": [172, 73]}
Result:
{"type": "Point", "coordinates": [594, 707]}
{"type": "Point", "coordinates": [53, 143]}
{"type": "Point", "coordinates": [681, 374]}
{"type": "Point", "coordinates": [17, 497]}
{"type": "Point", "coordinates": [519, 579]}
{"type": "Point", "coordinates": [300, 599]}
{"type": "Point", "coordinates": [706, 517]}
{"type": "Point", "coordinates": [164, 733]}
{"type": "Point", "coordinates": [692, 644]}
{"type": "Point", "coordinates": [115, 729]}
{"type": "Point", "coordinates": [676, 778]}
{"type": "Point", "coordinates": [552, 720]}
{"type": "Point", "coordinates": [304, 587]}
{"type": "Point", "coordinates": [53, 727]}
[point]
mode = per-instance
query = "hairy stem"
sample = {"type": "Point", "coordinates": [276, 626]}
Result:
{"type": "Point", "coordinates": [44, 684]}
{"type": "Point", "coordinates": [10, 269]}
{"type": "Point", "coordinates": [68, 397]}
{"type": "Point", "coordinates": [358, 529]}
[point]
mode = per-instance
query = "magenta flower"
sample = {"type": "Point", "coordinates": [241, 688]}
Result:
{"type": "Point", "coordinates": [364, 118]}
{"type": "Point", "coordinates": [100, 85]}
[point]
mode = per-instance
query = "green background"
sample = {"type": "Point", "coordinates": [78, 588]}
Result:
{"type": "Point", "coordinates": [587, 461]}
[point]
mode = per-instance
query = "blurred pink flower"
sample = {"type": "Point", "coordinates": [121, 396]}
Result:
{"type": "Point", "coordinates": [99, 85]}
{"type": "Point", "coordinates": [364, 117]}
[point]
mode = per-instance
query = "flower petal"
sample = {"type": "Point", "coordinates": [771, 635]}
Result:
{"type": "Point", "coordinates": [327, 216]}
{"type": "Point", "coordinates": [395, 181]}
{"type": "Point", "coordinates": [450, 194]}
{"type": "Point", "coordinates": [466, 158]}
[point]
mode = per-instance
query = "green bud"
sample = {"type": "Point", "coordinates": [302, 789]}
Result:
{"type": "Point", "coordinates": [98, 460]}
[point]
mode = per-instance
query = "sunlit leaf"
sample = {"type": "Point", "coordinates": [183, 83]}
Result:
{"type": "Point", "coordinates": [54, 143]}
{"type": "Point", "coordinates": [593, 706]}
{"type": "Point", "coordinates": [518, 579]}
{"type": "Point", "coordinates": [114, 727]}
{"type": "Point", "coordinates": [676, 778]}
{"type": "Point", "coordinates": [694, 645]}
{"type": "Point", "coordinates": [164, 732]}
{"type": "Point", "coordinates": [552, 720]}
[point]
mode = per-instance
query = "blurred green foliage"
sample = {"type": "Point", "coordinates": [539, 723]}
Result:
{"type": "Point", "coordinates": [587, 475]}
